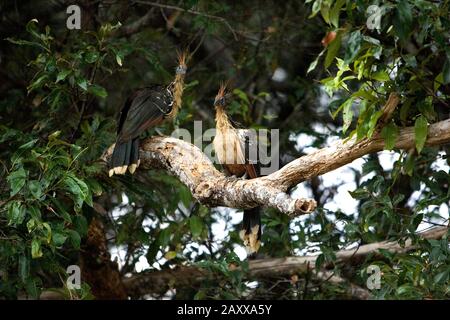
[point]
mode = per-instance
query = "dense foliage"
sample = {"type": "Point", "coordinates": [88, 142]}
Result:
{"type": "Point", "coordinates": [60, 91]}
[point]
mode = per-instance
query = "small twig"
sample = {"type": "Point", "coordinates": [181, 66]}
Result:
{"type": "Point", "coordinates": [166, 6]}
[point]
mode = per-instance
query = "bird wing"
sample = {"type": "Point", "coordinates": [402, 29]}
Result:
{"type": "Point", "coordinates": [146, 108]}
{"type": "Point", "coordinates": [248, 151]}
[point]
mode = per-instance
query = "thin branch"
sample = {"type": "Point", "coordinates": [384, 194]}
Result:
{"type": "Point", "coordinates": [166, 6]}
{"type": "Point", "coordinates": [184, 276]}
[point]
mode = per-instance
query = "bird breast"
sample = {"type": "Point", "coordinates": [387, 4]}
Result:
{"type": "Point", "coordinates": [228, 147]}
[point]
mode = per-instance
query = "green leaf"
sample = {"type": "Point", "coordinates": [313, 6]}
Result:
{"type": "Point", "coordinates": [49, 231]}
{"type": "Point", "coordinates": [409, 165]}
{"type": "Point", "coordinates": [91, 56]}
{"type": "Point", "coordinates": [313, 64]}
{"type": "Point", "coordinates": [75, 238]}
{"type": "Point", "coordinates": [185, 195]}
{"type": "Point", "coordinates": [80, 224]}
{"type": "Point", "coordinates": [373, 122]}
{"type": "Point", "coordinates": [98, 91]}
{"type": "Point", "coordinates": [164, 237]}
{"type": "Point", "coordinates": [381, 76]}
{"type": "Point", "coordinates": [24, 267]}
{"type": "Point", "coordinates": [79, 189]}
{"type": "Point", "coordinates": [242, 95]}
{"type": "Point", "coordinates": [427, 109]}
{"type": "Point", "coordinates": [16, 180]}
{"type": "Point", "coordinates": [420, 130]}
{"type": "Point", "coordinates": [389, 134]}
{"type": "Point", "coordinates": [37, 83]}
{"type": "Point", "coordinates": [320, 261]}
{"type": "Point", "coordinates": [353, 46]}
{"type": "Point", "coordinates": [403, 20]}
{"type": "Point", "coordinates": [16, 213]}
{"type": "Point", "coordinates": [35, 188]}
{"type": "Point", "coordinates": [29, 144]}
{"type": "Point", "coordinates": [315, 8]}
{"type": "Point", "coordinates": [36, 251]}
{"type": "Point", "coordinates": [333, 49]}
{"type": "Point", "coordinates": [404, 110]}
{"type": "Point", "coordinates": [83, 84]}
{"type": "Point", "coordinates": [196, 225]}
{"type": "Point", "coordinates": [359, 194]}
{"type": "Point", "coordinates": [58, 239]}
{"type": "Point", "coordinates": [31, 286]}
{"type": "Point", "coordinates": [60, 210]}
{"type": "Point", "coordinates": [325, 12]}
{"type": "Point", "coordinates": [62, 75]}
{"type": "Point", "coordinates": [438, 81]}
{"type": "Point", "coordinates": [335, 12]}
{"type": "Point", "coordinates": [347, 114]}
{"type": "Point", "coordinates": [442, 277]}
{"type": "Point", "coordinates": [170, 255]}
{"type": "Point", "coordinates": [119, 58]}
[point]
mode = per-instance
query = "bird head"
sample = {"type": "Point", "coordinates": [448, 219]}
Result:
{"type": "Point", "coordinates": [182, 67]}
{"type": "Point", "coordinates": [221, 97]}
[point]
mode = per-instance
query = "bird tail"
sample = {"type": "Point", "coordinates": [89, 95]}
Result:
{"type": "Point", "coordinates": [251, 230]}
{"type": "Point", "coordinates": [125, 156]}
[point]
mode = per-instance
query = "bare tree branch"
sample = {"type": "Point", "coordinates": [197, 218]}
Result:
{"type": "Point", "coordinates": [208, 185]}
{"type": "Point", "coordinates": [185, 276]}
{"type": "Point", "coordinates": [198, 13]}
{"type": "Point", "coordinates": [345, 151]}
{"type": "Point", "coordinates": [212, 188]}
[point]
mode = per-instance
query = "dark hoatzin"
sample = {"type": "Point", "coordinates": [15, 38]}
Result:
{"type": "Point", "coordinates": [230, 145]}
{"type": "Point", "coordinates": [145, 108]}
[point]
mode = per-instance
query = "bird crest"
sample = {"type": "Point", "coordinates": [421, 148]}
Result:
{"type": "Point", "coordinates": [182, 59]}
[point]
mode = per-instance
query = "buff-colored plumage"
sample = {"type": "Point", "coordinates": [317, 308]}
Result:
{"type": "Point", "coordinates": [229, 147]}
{"type": "Point", "coordinates": [179, 83]}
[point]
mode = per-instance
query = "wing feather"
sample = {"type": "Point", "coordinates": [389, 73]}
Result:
{"type": "Point", "coordinates": [144, 109]}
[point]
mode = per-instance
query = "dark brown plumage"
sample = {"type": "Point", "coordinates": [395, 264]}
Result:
{"type": "Point", "coordinates": [145, 108]}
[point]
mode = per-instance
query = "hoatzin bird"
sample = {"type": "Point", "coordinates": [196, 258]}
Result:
{"type": "Point", "coordinates": [230, 145]}
{"type": "Point", "coordinates": [145, 108]}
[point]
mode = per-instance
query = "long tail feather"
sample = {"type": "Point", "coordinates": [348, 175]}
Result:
{"type": "Point", "coordinates": [125, 156]}
{"type": "Point", "coordinates": [251, 230]}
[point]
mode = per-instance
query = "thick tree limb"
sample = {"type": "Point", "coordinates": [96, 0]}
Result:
{"type": "Point", "coordinates": [185, 276]}
{"type": "Point", "coordinates": [345, 151]}
{"type": "Point", "coordinates": [212, 188]}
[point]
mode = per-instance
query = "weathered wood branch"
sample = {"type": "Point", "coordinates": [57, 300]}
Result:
{"type": "Point", "coordinates": [345, 151]}
{"type": "Point", "coordinates": [208, 185]}
{"type": "Point", "coordinates": [187, 276]}
{"type": "Point", "coordinates": [212, 188]}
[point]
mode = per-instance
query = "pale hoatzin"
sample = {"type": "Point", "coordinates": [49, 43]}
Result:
{"type": "Point", "coordinates": [145, 108]}
{"type": "Point", "coordinates": [230, 145]}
